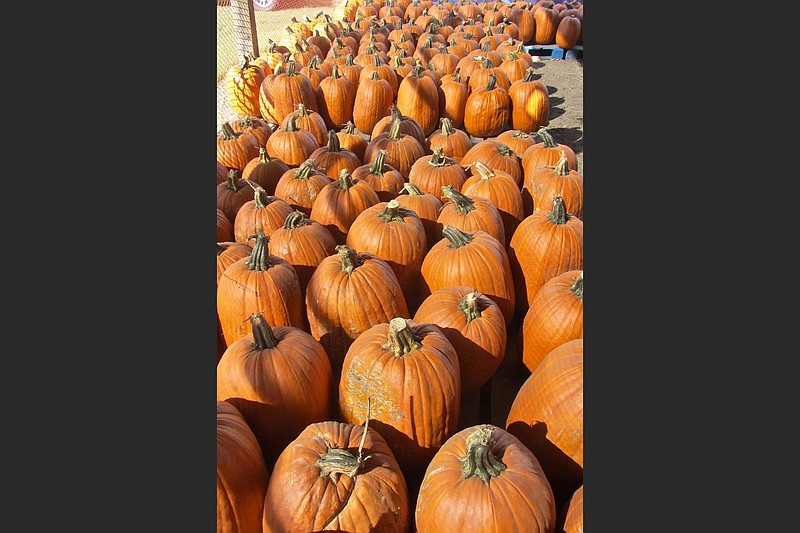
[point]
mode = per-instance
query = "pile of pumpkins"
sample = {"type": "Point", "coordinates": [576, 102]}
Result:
{"type": "Point", "coordinates": [392, 212]}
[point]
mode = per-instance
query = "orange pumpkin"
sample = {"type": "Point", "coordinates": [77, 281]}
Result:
{"type": "Point", "coordinates": [339, 203]}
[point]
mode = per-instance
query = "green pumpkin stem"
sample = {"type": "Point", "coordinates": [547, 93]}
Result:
{"type": "Point", "coordinates": [487, 63]}
{"type": "Point", "coordinates": [394, 112]}
{"type": "Point", "coordinates": [227, 132]}
{"type": "Point", "coordinates": [577, 286]}
{"type": "Point", "coordinates": [418, 68]}
{"type": "Point", "coordinates": [345, 180]}
{"type": "Point", "coordinates": [335, 73]}
{"type": "Point", "coordinates": [393, 212]}
{"type": "Point", "coordinates": [547, 139]}
{"type": "Point", "coordinates": [234, 184]}
{"type": "Point", "coordinates": [261, 198]}
{"type": "Point", "coordinates": [469, 306]}
{"type": "Point", "coordinates": [447, 127]}
{"type": "Point", "coordinates": [263, 336]}
{"type": "Point", "coordinates": [290, 69]}
{"type": "Point", "coordinates": [456, 237]}
{"type": "Point", "coordinates": [412, 189]}
{"type": "Point", "coordinates": [463, 203]}
{"type": "Point", "coordinates": [295, 219]}
{"type": "Point", "coordinates": [350, 128]}
{"type": "Point", "coordinates": [263, 156]}
{"type": "Point", "coordinates": [333, 142]}
{"type": "Point", "coordinates": [348, 60]}
{"type": "Point", "coordinates": [492, 82]}
{"type": "Point", "coordinates": [504, 150]}
{"type": "Point", "coordinates": [377, 166]}
{"type": "Point", "coordinates": [512, 56]}
{"type": "Point", "coordinates": [479, 459]}
{"type": "Point", "coordinates": [348, 258]}
{"type": "Point", "coordinates": [558, 214]}
{"type": "Point", "coordinates": [401, 340]}
{"type": "Point", "coordinates": [303, 172]}
{"type": "Point", "coordinates": [338, 461]}
{"type": "Point", "coordinates": [259, 257]}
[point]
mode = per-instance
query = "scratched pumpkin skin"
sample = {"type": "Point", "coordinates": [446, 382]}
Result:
{"type": "Point", "coordinates": [411, 374]}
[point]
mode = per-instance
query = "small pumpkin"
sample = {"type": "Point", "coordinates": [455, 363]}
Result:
{"type": "Point", "coordinates": [425, 205]}
{"type": "Point", "coordinates": [264, 212]}
{"type": "Point", "coordinates": [235, 150]}
{"type": "Point", "coordinates": [339, 203]}
{"type": "Point", "coordinates": [385, 179]}
{"type": "Point", "coordinates": [224, 227]}
{"type": "Point", "coordinates": [311, 121]}
{"type": "Point", "coordinates": [291, 144]}
{"type": "Point", "coordinates": [517, 140]}
{"type": "Point", "coordinates": [408, 125]}
{"type": "Point", "coordinates": [546, 154]}
{"type": "Point", "coordinates": [470, 213]}
{"type": "Point", "coordinates": [300, 186]}
{"type": "Point", "coordinates": [254, 125]}
{"type": "Point", "coordinates": [264, 171]}
{"type": "Point", "coordinates": [333, 158]}
{"type": "Point", "coordinates": [455, 143]}
{"type": "Point", "coordinates": [352, 139]}
{"type": "Point", "coordinates": [402, 150]}
{"type": "Point", "coordinates": [496, 156]}
{"type": "Point", "coordinates": [232, 195]}
{"type": "Point", "coordinates": [431, 173]}
{"type": "Point", "coordinates": [501, 190]}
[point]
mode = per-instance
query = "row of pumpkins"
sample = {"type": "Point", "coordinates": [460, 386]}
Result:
{"type": "Point", "coordinates": [375, 256]}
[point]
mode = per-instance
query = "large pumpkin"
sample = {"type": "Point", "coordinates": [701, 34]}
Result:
{"type": "Point", "coordinates": [501, 190]}
{"type": "Point", "coordinates": [291, 144]}
{"type": "Point", "coordinates": [374, 97]}
{"type": "Point", "coordinates": [426, 205]}
{"type": "Point", "coordinates": [243, 83]}
{"type": "Point", "coordinates": [418, 98]}
{"type": "Point", "coordinates": [488, 110]}
{"type": "Point", "coordinates": [235, 149]}
{"type": "Point", "coordinates": [545, 183]}
{"type": "Point", "coordinates": [402, 150]}
{"type": "Point", "coordinates": [530, 103]}
{"type": "Point", "coordinates": [333, 158]}
{"type": "Point", "coordinates": [431, 173]}
{"type": "Point", "coordinates": [455, 143]}
{"type": "Point", "coordinates": [385, 179]}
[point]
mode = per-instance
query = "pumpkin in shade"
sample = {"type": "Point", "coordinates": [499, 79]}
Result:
{"type": "Point", "coordinates": [263, 212]}
{"type": "Point", "coordinates": [470, 213]}
{"type": "Point", "coordinates": [488, 110]}
{"type": "Point", "coordinates": [425, 205]}
{"type": "Point", "coordinates": [266, 95]}
{"type": "Point", "coordinates": [573, 517]}
{"type": "Point", "coordinates": [224, 227]}
{"type": "Point", "coordinates": [311, 121]}
{"type": "Point", "coordinates": [496, 156]}
{"type": "Point", "coordinates": [352, 139]}
{"type": "Point", "coordinates": [374, 97]}
{"type": "Point", "coordinates": [333, 158]}
{"type": "Point", "coordinates": [396, 235]}
{"type": "Point", "coordinates": [235, 150]}
{"type": "Point", "coordinates": [242, 475]}
{"type": "Point", "coordinates": [547, 416]}
{"type": "Point", "coordinates": [349, 293]}
{"type": "Point", "coordinates": [546, 154]}
{"type": "Point", "coordinates": [418, 98]}
{"type": "Point", "coordinates": [530, 103]}
{"type": "Point", "coordinates": [261, 283]}
{"type": "Point", "coordinates": [316, 71]}
{"type": "Point", "coordinates": [410, 371]}
{"type": "Point", "coordinates": [526, 25]}
{"type": "Point", "coordinates": [300, 186]}
{"type": "Point", "coordinates": [501, 190]}
{"type": "Point", "coordinates": [291, 144]}
{"type": "Point", "coordinates": [289, 90]}
{"type": "Point", "coordinates": [484, 479]}
{"type": "Point", "coordinates": [280, 379]}
{"type": "Point", "coordinates": [546, 244]}
{"type": "Point", "coordinates": [339, 203]}
{"type": "Point", "coordinates": [402, 150]}
{"type": "Point", "coordinates": [255, 126]}
{"type": "Point", "coordinates": [264, 171]}
{"type": "Point", "coordinates": [229, 252]}
{"type": "Point", "coordinates": [242, 83]}
{"type": "Point", "coordinates": [454, 143]}
{"type": "Point", "coordinates": [335, 98]}
{"type": "Point", "coordinates": [336, 476]}
{"type": "Point", "coordinates": [232, 195]}
{"type": "Point", "coordinates": [408, 125]}
{"type": "Point", "coordinates": [222, 173]}
{"type": "Point", "coordinates": [545, 183]}
{"type": "Point", "coordinates": [431, 173]}
{"type": "Point", "coordinates": [474, 325]}
{"type": "Point", "coordinates": [475, 260]}
{"type": "Point", "coordinates": [385, 179]}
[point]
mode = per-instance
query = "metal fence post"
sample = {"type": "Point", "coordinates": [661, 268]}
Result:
{"type": "Point", "coordinates": [244, 25]}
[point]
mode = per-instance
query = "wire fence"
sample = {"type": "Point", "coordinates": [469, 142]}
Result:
{"type": "Point", "coordinates": [247, 26]}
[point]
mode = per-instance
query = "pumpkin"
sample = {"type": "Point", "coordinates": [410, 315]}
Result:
{"type": "Point", "coordinates": [515, 67]}
{"type": "Point", "coordinates": [568, 31]}
{"type": "Point", "coordinates": [402, 150]}
{"type": "Point", "coordinates": [280, 379]}
{"type": "Point", "coordinates": [546, 154]}
{"type": "Point", "coordinates": [545, 244]}
{"type": "Point", "coordinates": [379, 65]}
{"type": "Point", "coordinates": [573, 518]}
{"type": "Point", "coordinates": [480, 77]}
{"type": "Point", "coordinates": [300, 186]}
{"type": "Point", "coordinates": [396, 235]}
{"type": "Point", "coordinates": [339, 203]}
{"type": "Point", "coordinates": [484, 479]}
{"type": "Point", "coordinates": [474, 325]}
{"type": "Point", "coordinates": [455, 143]}
{"type": "Point", "coordinates": [222, 173]}
{"type": "Point", "coordinates": [266, 94]}
{"type": "Point", "coordinates": [470, 213]}
{"type": "Point", "coordinates": [235, 150]}
{"type": "Point", "coordinates": [453, 94]}
{"type": "Point", "coordinates": [255, 126]}
{"type": "Point", "coordinates": [431, 173]}
{"type": "Point", "coordinates": [263, 212]}
{"type": "Point", "coordinates": [410, 371]}
{"type": "Point", "coordinates": [232, 195]}
{"type": "Point", "coordinates": [546, 19]}
{"type": "Point", "coordinates": [352, 139]}
{"type": "Point", "coordinates": [264, 171]}
{"type": "Point", "coordinates": [333, 158]}
{"type": "Point", "coordinates": [418, 98]}
{"type": "Point", "coordinates": [323, 42]}
{"type": "Point", "coordinates": [384, 179]}
{"type": "Point", "coordinates": [310, 121]}
{"type": "Point", "coordinates": [476, 260]}
{"type": "Point", "coordinates": [349, 293]}
{"type": "Point", "coordinates": [374, 96]}
{"type": "Point", "coordinates": [224, 227]}
{"type": "Point", "coordinates": [351, 71]}
{"type": "Point", "coordinates": [291, 144]}
{"type": "Point", "coordinates": [496, 156]}
{"type": "Point", "coordinates": [408, 125]}
{"type": "Point", "coordinates": [336, 96]}
{"type": "Point", "coordinates": [501, 190]}
{"type": "Point", "coordinates": [229, 252]}
{"type": "Point", "coordinates": [526, 25]}
{"type": "Point", "coordinates": [243, 83]}
{"type": "Point", "coordinates": [261, 283]}
{"type": "Point", "coordinates": [425, 205]}
{"type": "Point", "coordinates": [547, 416]}
{"type": "Point", "coordinates": [242, 474]}
{"type": "Point", "coordinates": [517, 140]}
{"type": "Point", "coordinates": [547, 182]}
{"type": "Point", "coordinates": [530, 103]}
{"type": "Point", "coordinates": [289, 89]}
{"type": "Point", "coordinates": [336, 476]}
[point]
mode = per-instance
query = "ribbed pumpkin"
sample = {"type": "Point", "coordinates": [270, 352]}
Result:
{"type": "Point", "coordinates": [261, 283]}
{"type": "Point", "coordinates": [351, 71]}
{"type": "Point", "coordinates": [484, 479]}
{"type": "Point", "coordinates": [235, 150]}
{"type": "Point", "coordinates": [396, 235]}
{"type": "Point", "coordinates": [264, 212]}
{"type": "Point", "coordinates": [264, 171]}
{"type": "Point", "coordinates": [374, 97]}
{"type": "Point", "coordinates": [410, 371]}
{"type": "Point", "coordinates": [280, 379]}
{"type": "Point", "coordinates": [352, 139]}
{"type": "Point", "coordinates": [408, 125]}
{"type": "Point", "coordinates": [378, 65]}
{"type": "Point", "coordinates": [517, 140]}
{"type": "Point", "coordinates": [266, 93]}
{"type": "Point", "coordinates": [289, 89]}
{"type": "Point", "coordinates": [525, 22]}
{"type": "Point", "coordinates": [222, 173]}
{"type": "Point", "coordinates": [545, 183]}
{"type": "Point", "coordinates": [339, 203]}
{"type": "Point", "coordinates": [291, 144]}
{"type": "Point", "coordinates": [337, 477]}
{"type": "Point", "coordinates": [501, 190]}
{"type": "Point", "coordinates": [385, 179]}
{"type": "Point", "coordinates": [315, 71]}
{"type": "Point", "coordinates": [453, 94]}
{"type": "Point", "coordinates": [333, 158]}
{"type": "Point", "coordinates": [470, 213]}
{"type": "Point", "coordinates": [454, 143]}
{"type": "Point", "coordinates": [300, 186]}
{"type": "Point", "coordinates": [255, 126]}
{"type": "Point", "coordinates": [349, 293]}
{"type": "Point", "coordinates": [425, 205]}
{"type": "Point", "coordinates": [496, 156]}
{"type": "Point", "coordinates": [431, 173]}
{"type": "Point", "coordinates": [418, 98]}
{"type": "Point", "coordinates": [573, 517]}
{"type": "Point", "coordinates": [228, 252]}
{"type": "Point", "coordinates": [547, 416]}
{"type": "Point", "coordinates": [311, 121]}
{"type": "Point", "coordinates": [476, 260]}
{"type": "Point", "coordinates": [488, 110]}
{"type": "Point", "coordinates": [515, 67]}
{"type": "Point", "coordinates": [224, 227]}
{"type": "Point", "coordinates": [474, 325]}
{"type": "Point", "coordinates": [568, 31]}
{"type": "Point", "coordinates": [530, 103]}
{"type": "Point", "coordinates": [242, 474]}
{"type": "Point", "coordinates": [546, 19]}
{"type": "Point", "coordinates": [242, 83]}
{"type": "Point", "coordinates": [232, 195]}
{"type": "Point", "coordinates": [480, 77]}
{"type": "Point", "coordinates": [402, 150]}
{"type": "Point", "coordinates": [545, 244]}
{"type": "Point", "coordinates": [546, 154]}
{"type": "Point", "coordinates": [336, 96]}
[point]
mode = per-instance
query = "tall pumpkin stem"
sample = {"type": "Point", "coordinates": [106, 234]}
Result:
{"type": "Point", "coordinates": [263, 336]}
{"type": "Point", "coordinates": [348, 258]}
{"type": "Point", "coordinates": [547, 139]}
{"type": "Point", "coordinates": [345, 179]}
{"type": "Point", "coordinates": [479, 459]}
{"type": "Point", "coordinates": [528, 74]}
{"type": "Point", "coordinates": [447, 127]}
{"type": "Point", "coordinates": [469, 306]}
{"type": "Point", "coordinates": [261, 198]}
{"type": "Point", "coordinates": [263, 156]}
{"type": "Point", "coordinates": [456, 237]}
{"type": "Point", "coordinates": [558, 214]}
{"type": "Point", "coordinates": [562, 166]}
{"type": "Point", "coordinates": [303, 172]}
{"type": "Point", "coordinates": [463, 203]}
{"type": "Point", "coordinates": [577, 286]}
{"type": "Point", "coordinates": [412, 189]}
{"type": "Point", "coordinates": [438, 159]}
{"type": "Point", "coordinates": [492, 82]}
{"type": "Point", "coordinates": [291, 122]}
{"type": "Point", "coordinates": [234, 184]}
{"type": "Point", "coordinates": [259, 257]}
{"type": "Point", "coordinates": [333, 142]}
{"type": "Point", "coordinates": [394, 133]}
{"type": "Point", "coordinates": [401, 340]}
{"type": "Point", "coordinates": [295, 219]}
{"type": "Point", "coordinates": [227, 132]}
{"type": "Point", "coordinates": [377, 166]}
{"type": "Point", "coordinates": [350, 128]}
{"type": "Point", "coordinates": [483, 171]}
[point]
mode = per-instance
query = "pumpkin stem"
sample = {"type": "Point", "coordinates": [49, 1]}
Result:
{"type": "Point", "coordinates": [504, 150]}
{"type": "Point", "coordinates": [302, 110]}
{"type": "Point", "coordinates": [263, 337]}
{"type": "Point", "coordinates": [528, 74]}
{"type": "Point", "coordinates": [492, 82]}
{"type": "Point", "coordinates": [263, 156]}
{"type": "Point", "coordinates": [547, 139]}
{"type": "Point", "coordinates": [234, 184]}
{"type": "Point", "coordinates": [562, 166]}
{"type": "Point", "coordinates": [512, 56]}
{"type": "Point", "coordinates": [259, 257]}
{"type": "Point", "coordinates": [469, 306]}
{"type": "Point", "coordinates": [348, 258]}
{"type": "Point", "coordinates": [393, 212]}
{"type": "Point", "coordinates": [303, 172]}
{"type": "Point", "coordinates": [345, 179]}
{"type": "Point", "coordinates": [479, 459]}
{"type": "Point", "coordinates": [376, 59]}
{"type": "Point", "coordinates": [559, 215]}
{"type": "Point", "coordinates": [333, 142]}
{"type": "Point", "coordinates": [418, 68]}
{"type": "Point", "coordinates": [227, 132]}
{"type": "Point", "coordinates": [447, 127]}
{"type": "Point", "coordinates": [463, 203]}
{"type": "Point", "coordinates": [394, 133]}
{"type": "Point", "coordinates": [335, 74]}
{"type": "Point", "coordinates": [487, 63]}
{"type": "Point", "coordinates": [291, 122]}
{"type": "Point", "coordinates": [456, 237]}
{"type": "Point", "coordinates": [577, 286]}
{"type": "Point", "coordinates": [295, 219]}
{"type": "Point", "coordinates": [377, 165]}
{"type": "Point", "coordinates": [394, 113]}
{"type": "Point", "coordinates": [412, 189]}
{"type": "Point", "coordinates": [350, 128]}
{"type": "Point", "coordinates": [348, 60]}
{"type": "Point", "coordinates": [337, 461]}
{"type": "Point", "coordinates": [438, 159]}
{"type": "Point", "coordinates": [290, 69]}
{"type": "Point", "coordinates": [484, 171]}
{"type": "Point", "coordinates": [401, 340]}
{"type": "Point", "coordinates": [261, 198]}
